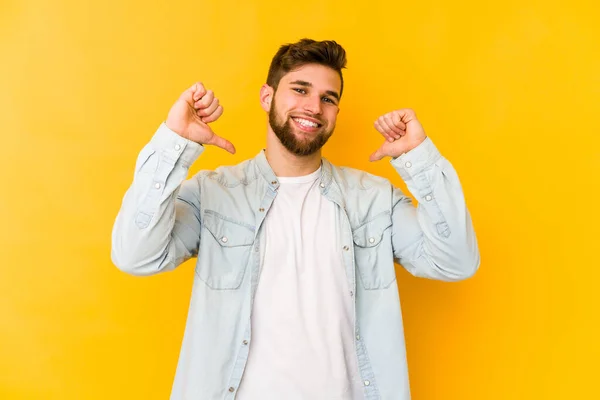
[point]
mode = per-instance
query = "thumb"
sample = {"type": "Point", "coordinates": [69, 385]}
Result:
{"type": "Point", "coordinates": [377, 155]}
{"type": "Point", "coordinates": [222, 143]}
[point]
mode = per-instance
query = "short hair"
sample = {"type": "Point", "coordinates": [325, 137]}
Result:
{"type": "Point", "coordinates": [306, 51]}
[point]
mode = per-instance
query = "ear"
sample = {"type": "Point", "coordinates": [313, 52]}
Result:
{"type": "Point", "coordinates": [266, 97]}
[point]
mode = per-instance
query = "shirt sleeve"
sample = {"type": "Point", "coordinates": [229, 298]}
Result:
{"type": "Point", "coordinates": [436, 239]}
{"type": "Point", "coordinates": [158, 225]}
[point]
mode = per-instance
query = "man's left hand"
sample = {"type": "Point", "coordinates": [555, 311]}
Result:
{"type": "Point", "coordinates": [402, 132]}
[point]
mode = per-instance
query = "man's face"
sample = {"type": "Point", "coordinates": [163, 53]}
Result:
{"type": "Point", "coordinates": [304, 108]}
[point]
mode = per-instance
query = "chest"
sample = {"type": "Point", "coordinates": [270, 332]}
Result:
{"type": "Point", "coordinates": [239, 222]}
{"type": "Point", "coordinates": [300, 215]}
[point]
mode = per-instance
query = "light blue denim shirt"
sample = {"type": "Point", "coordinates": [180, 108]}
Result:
{"type": "Point", "coordinates": [217, 217]}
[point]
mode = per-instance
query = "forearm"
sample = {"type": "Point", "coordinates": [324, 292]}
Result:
{"type": "Point", "coordinates": [153, 230]}
{"type": "Point", "coordinates": [438, 239]}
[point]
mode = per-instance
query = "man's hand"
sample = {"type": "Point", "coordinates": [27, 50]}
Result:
{"type": "Point", "coordinates": [402, 132]}
{"type": "Point", "coordinates": [192, 112]}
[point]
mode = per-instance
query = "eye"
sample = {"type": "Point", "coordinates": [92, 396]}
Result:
{"type": "Point", "coordinates": [301, 91]}
{"type": "Point", "coordinates": [328, 100]}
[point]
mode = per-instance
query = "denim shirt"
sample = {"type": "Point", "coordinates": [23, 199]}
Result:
{"type": "Point", "coordinates": [217, 218]}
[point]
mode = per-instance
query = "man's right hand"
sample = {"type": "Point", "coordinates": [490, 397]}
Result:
{"type": "Point", "coordinates": [192, 112]}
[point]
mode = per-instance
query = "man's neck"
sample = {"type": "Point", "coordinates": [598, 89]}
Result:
{"type": "Point", "coordinates": [283, 163]}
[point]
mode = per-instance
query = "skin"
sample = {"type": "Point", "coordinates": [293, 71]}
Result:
{"type": "Point", "coordinates": [310, 92]}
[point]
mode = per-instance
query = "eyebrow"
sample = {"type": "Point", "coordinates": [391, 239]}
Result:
{"type": "Point", "coordinates": [308, 84]}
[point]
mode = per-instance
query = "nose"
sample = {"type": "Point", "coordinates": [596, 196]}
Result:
{"type": "Point", "coordinates": [313, 105]}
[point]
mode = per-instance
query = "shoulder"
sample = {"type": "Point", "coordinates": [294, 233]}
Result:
{"type": "Point", "coordinates": [230, 176]}
{"type": "Point", "coordinates": [352, 178]}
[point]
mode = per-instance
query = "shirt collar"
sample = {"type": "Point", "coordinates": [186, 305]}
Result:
{"type": "Point", "coordinates": [267, 172]}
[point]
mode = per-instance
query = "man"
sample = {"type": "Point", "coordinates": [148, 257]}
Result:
{"type": "Point", "coordinates": [294, 294]}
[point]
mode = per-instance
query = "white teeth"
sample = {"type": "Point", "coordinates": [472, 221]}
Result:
{"type": "Point", "coordinates": [306, 123]}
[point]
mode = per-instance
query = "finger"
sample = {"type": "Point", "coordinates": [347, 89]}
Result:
{"type": "Point", "coordinates": [397, 120]}
{"type": "Point", "coordinates": [214, 116]}
{"type": "Point", "coordinates": [208, 110]}
{"type": "Point", "coordinates": [381, 130]}
{"type": "Point", "coordinates": [199, 91]}
{"type": "Point", "coordinates": [205, 100]}
{"type": "Point", "coordinates": [193, 93]}
{"type": "Point", "coordinates": [377, 155]}
{"type": "Point", "coordinates": [385, 130]}
{"type": "Point", "coordinates": [390, 122]}
{"type": "Point", "coordinates": [222, 143]}
{"type": "Point", "coordinates": [406, 115]}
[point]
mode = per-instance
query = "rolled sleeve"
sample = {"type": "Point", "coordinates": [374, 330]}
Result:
{"type": "Point", "coordinates": [417, 160]}
{"type": "Point", "coordinates": [174, 147]}
{"type": "Point", "coordinates": [145, 236]}
{"type": "Point", "coordinates": [437, 240]}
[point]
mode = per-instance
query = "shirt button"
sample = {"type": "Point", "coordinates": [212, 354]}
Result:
{"type": "Point", "coordinates": [322, 185]}
{"type": "Point", "coordinates": [224, 239]}
{"type": "Point", "coordinates": [245, 342]}
{"type": "Point", "coordinates": [428, 197]}
{"type": "Point", "coordinates": [261, 209]}
{"type": "Point", "coordinates": [274, 183]}
{"type": "Point", "coordinates": [177, 147]}
{"type": "Point", "coordinates": [157, 185]}
{"type": "Point", "coordinates": [408, 164]}
{"type": "Point", "coordinates": [357, 337]}
{"type": "Point", "coordinates": [231, 389]}
{"type": "Point", "coordinates": [367, 383]}
{"type": "Point", "coordinates": [371, 240]}
{"type": "Point", "coordinates": [346, 248]}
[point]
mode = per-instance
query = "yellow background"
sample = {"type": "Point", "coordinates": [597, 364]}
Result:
{"type": "Point", "coordinates": [509, 91]}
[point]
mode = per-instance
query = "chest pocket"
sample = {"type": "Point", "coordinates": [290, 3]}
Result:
{"type": "Point", "coordinates": [224, 251]}
{"type": "Point", "coordinates": [373, 252]}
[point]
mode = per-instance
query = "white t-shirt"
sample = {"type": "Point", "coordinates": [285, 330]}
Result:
{"type": "Point", "coordinates": [303, 317]}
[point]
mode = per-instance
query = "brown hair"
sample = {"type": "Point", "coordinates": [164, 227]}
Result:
{"type": "Point", "coordinates": [306, 51]}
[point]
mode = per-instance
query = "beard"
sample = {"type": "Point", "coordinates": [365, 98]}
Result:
{"type": "Point", "coordinates": [284, 131]}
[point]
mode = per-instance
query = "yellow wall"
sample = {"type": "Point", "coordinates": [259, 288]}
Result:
{"type": "Point", "coordinates": [509, 91]}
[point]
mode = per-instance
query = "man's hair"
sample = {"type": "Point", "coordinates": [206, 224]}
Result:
{"type": "Point", "coordinates": [292, 56]}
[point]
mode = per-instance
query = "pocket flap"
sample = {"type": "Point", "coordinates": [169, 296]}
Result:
{"type": "Point", "coordinates": [227, 232]}
{"type": "Point", "coordinates": [370, 233]}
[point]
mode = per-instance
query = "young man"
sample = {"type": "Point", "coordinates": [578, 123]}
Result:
{"type": "Point", "coordinates": [294, 294]}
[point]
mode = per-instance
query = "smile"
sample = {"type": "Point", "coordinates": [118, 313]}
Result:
{"type": "Point", "coordinates": [306, 123]}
